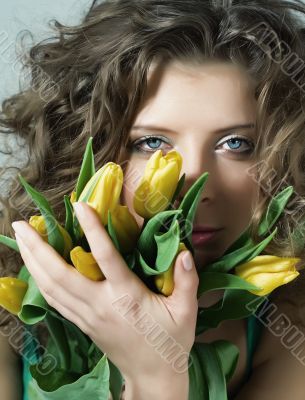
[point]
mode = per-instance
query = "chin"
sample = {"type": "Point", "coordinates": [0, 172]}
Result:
{"type": "Point", "coordinates": [203, 257]}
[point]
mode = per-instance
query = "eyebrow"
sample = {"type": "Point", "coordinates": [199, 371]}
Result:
{"type": "Point", "coordinates": [154, 128]}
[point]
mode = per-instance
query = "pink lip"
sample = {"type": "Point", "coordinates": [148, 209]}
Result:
{"type": "Point", "coordinates": [201, 237]}
{"type": "Point", "coordinates": [202, 228]}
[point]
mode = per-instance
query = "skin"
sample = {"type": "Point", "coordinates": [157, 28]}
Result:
{"type": "Point", "coordinates": [194, 102]}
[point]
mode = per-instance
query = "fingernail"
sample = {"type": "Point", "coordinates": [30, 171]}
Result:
{"type": "Point", "coordinates": [187, 261]}
{"type": "Point", "coordinates": [79, 209]}
{"type": "Point", "coordinates": [20, 228]}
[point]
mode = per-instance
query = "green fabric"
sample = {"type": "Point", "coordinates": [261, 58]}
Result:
{"type": "Point", "coordinates": [254, 331]}
{"type": "Point", "coordinates": [29, 356]}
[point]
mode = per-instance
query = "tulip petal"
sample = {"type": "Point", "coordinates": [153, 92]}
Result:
{"type": "Point", "coordinates": [268, 282]}
{"type": "Point", "coordinates": [268, 272]}
{"type": "Point", "coordinates": [126, 228]}
{"type": "Point", "coordinates": [103, 190]}
{"type": "Point", "coordinates": [165, 281]}
{"type": "Point", "coordinates": [12, 292]}
{"type": "Point", "coordinates": [85, 263]}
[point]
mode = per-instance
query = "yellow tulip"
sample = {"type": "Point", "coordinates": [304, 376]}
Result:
{"type": "Point", "coordinates": [268, 272]}
{"type": "Point", "coordinates": [158, 183]}
{"type": "Point", "coordinates": [102, 191]}
{"type": "Point", "coordinates": [38, 223]}
{"type": "Point", "coordinates": [126, 228]}
{"type": "Point", "coordinates": [165, 281]}
{"type": "Point", "coordinates": [12, 291]}
{"type": "Point", "coordinates": [85, 263]}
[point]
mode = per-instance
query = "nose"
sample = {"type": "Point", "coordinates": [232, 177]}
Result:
{"type": "Point", "coordinates": [194, 165]}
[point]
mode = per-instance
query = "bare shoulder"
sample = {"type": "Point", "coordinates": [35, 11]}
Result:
{"type": "Point", "coordinates": [283, 318]}
{"type": "Point", "coordinates": [279, 360]}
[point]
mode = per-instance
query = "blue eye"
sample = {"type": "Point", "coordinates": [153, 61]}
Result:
{"type": "Point", "coordinates": [153, 143]}
{"type": "Point", "coordinates": [236, 142]}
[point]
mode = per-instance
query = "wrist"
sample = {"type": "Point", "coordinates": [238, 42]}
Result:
{"type": "Point", "coordinates": [174, 386]}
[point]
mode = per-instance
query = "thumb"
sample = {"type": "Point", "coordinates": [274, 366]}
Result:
{"type": "Point", "coordinates": [186, 280]}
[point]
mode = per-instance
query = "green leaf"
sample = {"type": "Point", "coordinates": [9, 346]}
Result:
{"type": "Point", "coordinates": [240, 256]}
{"type": "Point", "coordinates": [130, 260]}
{"type": "Point", "coordinates": [145, 267]}
{"type": "Point", "coordinates": [24, 274]}
{"type": "Point", "coordinates": [87, 169]}
{"type": "Point", "coordinates": [274, 210]}
{"type": "Point", "coordinates": [116, 381]}
{"type": "Point", "coordinates": [9, 242]}
{"type": "Point", "coordinates": [243, 240]}
{"type": "Point", "coordinates": [59, 385]}
{"type": "Point", "coordinates": [211, 368]}
{"type": "Point", "coordinates": [298, 236]}
{"type": "Point", "coordinates": [34, 307]}
{"type": "Point", "coordinates": [198, 389]}
{"type": "Point", "coordinates": [78, 344]}
{"type": "Point", "coordinates": [111, 232]}
{"type": "Point", "coordinates": [168, 245]}
{"type": "Point", "coordinates": [69, 218]}
{"type": "Point", "coordinates": [76, 230]}
{"type": "Point", "coordinates": [55, 238]}
{"type": "Point", "coordinates": [176, 193]}
{"type": "Point", "coordinates": [233, 305]}
{"type": "Point", "coordinates": [218, 280]}
{"type": "Point", "coordinates": [228, 354]}
{"type": "Point", "coordinates": [191, 199]}
{"type": "Point", "coordinates": [94, 355]}
{"type": "Point", "coordinates": [146, 242]}
{"type": "Point", "coordinates": [58, 334]}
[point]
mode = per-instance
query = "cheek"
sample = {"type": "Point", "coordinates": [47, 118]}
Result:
{"type": "Point", "coordinates": [241, 195]}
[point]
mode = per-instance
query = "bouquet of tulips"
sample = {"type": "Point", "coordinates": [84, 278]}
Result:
{"type": "Point", "coordinates": [245, 276]}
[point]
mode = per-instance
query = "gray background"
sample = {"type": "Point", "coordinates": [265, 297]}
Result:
{"type": "Point", "coordinates": [16, 16]}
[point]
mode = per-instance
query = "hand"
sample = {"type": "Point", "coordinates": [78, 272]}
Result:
{"type": "Point", "coordinates": [118, 313]}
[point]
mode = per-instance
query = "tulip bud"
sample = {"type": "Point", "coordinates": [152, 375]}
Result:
{"type": "Point", "coordinates": [268, 272]}
{"type": "Point", "coordinates": [165, 281]}
{"type": "Point", "coordinates": [73, 197]}
{"type": "Point", "coordinates": [126, 228]}
{"type": "Point", "coordinates": [12, 292]}
{"type": "Point", "coordinates": [85, 263]}
{"type": "Point", "coordinates": [38, 223]}
{"type": "Point", "coordinates": [158, 185]}
{"type": "Point", "coordinates": [102, 191]}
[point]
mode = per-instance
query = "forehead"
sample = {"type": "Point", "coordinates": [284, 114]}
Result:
{"type": "Point", "coordinates": [197, 93]}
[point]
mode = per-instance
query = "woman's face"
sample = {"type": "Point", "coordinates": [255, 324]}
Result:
{"type": "Point", "coordinates": [198, 111]}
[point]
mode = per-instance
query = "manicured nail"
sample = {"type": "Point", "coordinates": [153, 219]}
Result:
{"type": "Point", "coordinates": [79, 209]}
{"type": "Point", "coordinates": [21, 229]}
{"type": "Point", "coordinates": [187, 261]}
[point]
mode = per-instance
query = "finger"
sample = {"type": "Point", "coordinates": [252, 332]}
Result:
{"type": "Point", "coordinates": [51, 290]}
{"type": "Point", "coordinates": [49, 270]}
{"type": "Point", "coordinates": [103, 250]}
{"type": "Point", "coordinates": [76, 318]}
{"type": "Point", "coordinates": [185, 283]}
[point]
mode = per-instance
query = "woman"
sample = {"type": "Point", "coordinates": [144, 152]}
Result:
{"type": "Point", "coordinates": [221, 82]}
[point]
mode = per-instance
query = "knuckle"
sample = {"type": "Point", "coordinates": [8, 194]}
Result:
{"type": "Point", "coordinates": [59, 276]}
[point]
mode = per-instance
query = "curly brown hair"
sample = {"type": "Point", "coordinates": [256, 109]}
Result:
{"type": "Point", "coordinates": [90, 79]}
